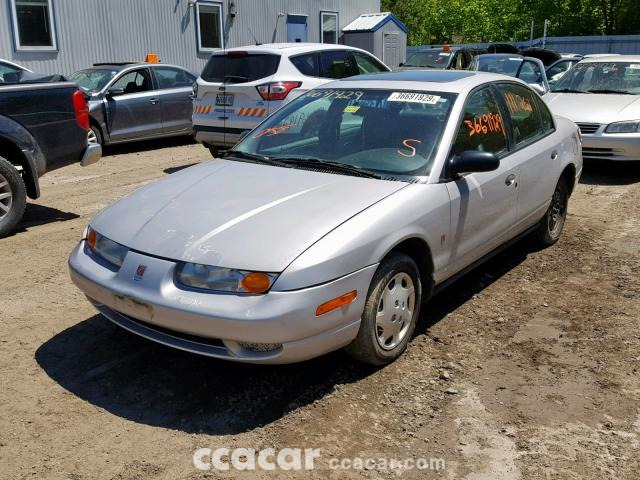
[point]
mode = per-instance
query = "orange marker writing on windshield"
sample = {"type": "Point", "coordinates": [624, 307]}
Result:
{"type": "Point", "coordinates": [405, 142]}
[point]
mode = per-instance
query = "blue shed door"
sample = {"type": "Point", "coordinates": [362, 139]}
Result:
{"type": "Point", "coordinates": [296, 28]}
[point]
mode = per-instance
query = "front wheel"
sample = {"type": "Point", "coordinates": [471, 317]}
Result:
{"type": "Point", "coordinates": [390, 313]}
{"type": "Point", "coordinates": [94, 136]}
{"type": "Point", "coordinates": [13, 197]}
{"type": "Point", "coordinates": [551, 225]}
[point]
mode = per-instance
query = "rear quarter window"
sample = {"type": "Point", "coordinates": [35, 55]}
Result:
{"type": "Point", "coordinates": [240, 69]}
{"type": "Point", "coordinates": [307, 64]}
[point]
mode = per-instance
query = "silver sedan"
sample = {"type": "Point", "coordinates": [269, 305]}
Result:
{"type": "Point", "coordinates": [602, 95]}
{"type": "Point", "coordinates": [332, 222]}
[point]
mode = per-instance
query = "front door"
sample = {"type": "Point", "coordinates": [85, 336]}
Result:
{"type": "Point", "coordinates": [296, 28]}
{"type": "Point", "coordinates": [133, 106]}
{"type": "Point", "coordinates": [483, 205]}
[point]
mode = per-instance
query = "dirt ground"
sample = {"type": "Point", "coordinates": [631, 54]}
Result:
{"type": "Point", "coordinates": [527, 368]}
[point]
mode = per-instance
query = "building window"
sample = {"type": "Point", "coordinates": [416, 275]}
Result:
{"type": "Point", "coordinates": [209, 26]}
{"type": "Point", "coordinates": [329, 27]}
{"type": "Point", "coordinates": [33, 25]}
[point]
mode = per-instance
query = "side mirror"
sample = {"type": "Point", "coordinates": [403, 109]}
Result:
{"type": "Point", "coordinates": [114, 92]}
{"type": "Point", "coordinates": [401, 64]}
{"type": "Point", "coordinates": [471, 161]}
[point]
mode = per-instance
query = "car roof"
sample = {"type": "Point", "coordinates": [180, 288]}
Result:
{"type": "Point", "coordinates": [612, 58]}
{"type": "Point", "coordinates": [287, 48]}
{"type": "Point", "coordinates": [126, 65]}
{"type": "Point", "coordinates": [454, 81]}
{"type": "Point", "coordinates": [515, 56]}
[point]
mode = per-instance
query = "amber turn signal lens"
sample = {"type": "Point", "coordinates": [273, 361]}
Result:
{"type": "Point", "coordinates": [91, 239]}
{"type": "Point", "coordinates": [338, 302]}
{"type": "Point", "coordinates": [256, 283]}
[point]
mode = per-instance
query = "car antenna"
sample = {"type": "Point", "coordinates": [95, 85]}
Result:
{"type": "Point", "coordinates": [254, 37]}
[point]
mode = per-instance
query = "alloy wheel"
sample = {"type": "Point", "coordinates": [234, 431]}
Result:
{"type": "Point", "coordinates": [6, 197]}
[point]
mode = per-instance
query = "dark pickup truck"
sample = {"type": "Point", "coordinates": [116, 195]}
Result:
{"type": "Point", "coordinates": [43, 126]}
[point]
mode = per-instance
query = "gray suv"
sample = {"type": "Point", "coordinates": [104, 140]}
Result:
{"type": "Point", "coordinates": [136, 101]}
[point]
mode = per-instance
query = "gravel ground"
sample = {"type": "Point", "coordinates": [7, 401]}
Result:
{"type": "Point", "coordinates": [527, 368]}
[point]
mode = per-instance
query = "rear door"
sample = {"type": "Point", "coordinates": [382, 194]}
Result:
{"type": "Point", "coordinates": [536, 150]}
{"type": "Point", "coordinates": [228, 97]}
{"type": "Point", "coordinates": [175, 89]}
{"type": "Point", "coordinates": [133, 106]}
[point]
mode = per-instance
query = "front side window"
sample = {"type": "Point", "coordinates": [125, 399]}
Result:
{"type": "Point", "coordinates": [381, 131]}
{"type": "Point", "coordinates": [33, 25]}
{"type": "Point", "coordinates": [368, 64]}
{"type": "Point", "coordinates": [135, 81]}
{"type": "Point", "coordinates": [482, 127]}
{"type": "Point", "coordinates": [329, 27]}
{"type": "Point", "coordinates": [168, 77]}
{"type": "Point", "coordinates": [9, 73]}
{"type": "Point", "coordinates": [530, 72]}
{"type": "Point", "coordinates": [209, 26]}
{"type": "Point", "coordinates": [93, 79]}
{"type": "Point", "coordinates": [338, 64]}
{"type": "Point", "coordinates": [524, 112]}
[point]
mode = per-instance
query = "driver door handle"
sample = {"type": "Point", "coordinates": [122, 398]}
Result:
{"type": "Point", "coordinates": [153, 100]}
{"type": "Point", "coordinates": [510, 180]}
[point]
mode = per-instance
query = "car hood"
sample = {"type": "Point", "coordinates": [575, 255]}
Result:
{"type": "Point", "coordinates": [594, 107]}
{"type": "Point", "coordinates": [237, 214]}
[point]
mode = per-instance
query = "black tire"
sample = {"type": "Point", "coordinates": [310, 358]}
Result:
{"type": "Point", "coordinates": [551, 225]}
{"type": "Point", "coordinates": [96, 132]}
{"type": "Point", "coordinates": [367, 347]}
{"type": "Point", "coordinates": [11, 182]}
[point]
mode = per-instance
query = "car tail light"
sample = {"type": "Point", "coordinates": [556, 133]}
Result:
{"type": "Point", "coordinates": [276, 90]}
{"type": "Point", "coordinates": [237, 53]}
{"type": "Point", "coordinates": [80, 107]}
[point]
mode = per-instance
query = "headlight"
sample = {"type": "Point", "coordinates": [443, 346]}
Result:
{"type": "Point", "coordinates": [223, 279]}
{"type": "Point", "coordinates": [106, 249]}
{"type": "Point", "coordinates": [624, 127]}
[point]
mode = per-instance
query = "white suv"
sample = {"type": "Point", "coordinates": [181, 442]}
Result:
{"type": "Point", "coordinates": [240, 87]}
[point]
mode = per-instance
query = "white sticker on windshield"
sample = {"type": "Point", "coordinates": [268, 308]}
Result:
{"type": "Point", "coordinates": [413, 97]}
{"type": "Point", "coordinates": [444, 54]}
{"type": "Point", "coordinates": [635, 66]}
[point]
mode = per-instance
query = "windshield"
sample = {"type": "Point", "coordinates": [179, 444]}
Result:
{"type": "Point", "coordinates": [93, 80]}
{"type": "Point", "coordinates": [601, 77]}
{"type": "Point", "coordinates": [429, 59]}
{"type": "Point", "coordinates": [386, 132]}
{"type": "Point", "coordinates": [498, 64]}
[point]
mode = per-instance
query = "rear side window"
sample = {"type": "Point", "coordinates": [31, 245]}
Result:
{"type": "Point", "coordinates": [240, 68]}
{"type": "Point", "coordinates": [307, 64]}
{"type": "Point", "coordinates": [524, 112]}
{"type": "Point", "coordinates": [168, 77]}
{"type": "Point", "coordinates": [482, 127]}
{"type": "Point", "coordinates": [338, 64]}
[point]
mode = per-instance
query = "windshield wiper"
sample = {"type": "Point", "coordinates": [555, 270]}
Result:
{"type": "Point", "coordinates": [328, 164]}
{"type": "Point", "coordinates": [570, 90]}
{"type": "Point", "coordinates": [609, 90]}
{"type": "Point", "coordinates": [253, 157]}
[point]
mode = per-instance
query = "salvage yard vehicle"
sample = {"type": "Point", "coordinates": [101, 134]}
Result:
{"type": "Point", "coordinates": [240, 87]}
{"type": "Point", "coordinates": [333, 221]}
{"type": "Point", "coordinates": [9, 71]}
{"type": "Point", "coordinates": [528, 69]}
{"type": "Point", "coordinates": [43, 126]}
{"type": "Point", "coordinates": [602, 95]}
{"type": "Point", "coordinates": [442, 58]}
{"type": "Point", "coordinates": [136, 101]}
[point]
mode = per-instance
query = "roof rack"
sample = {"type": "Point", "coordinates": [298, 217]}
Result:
{"type": "Point", "coordinates": [113, 63]}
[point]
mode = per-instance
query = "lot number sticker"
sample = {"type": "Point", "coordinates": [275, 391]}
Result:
{"type": "Point", "coordinates": [424, 98]}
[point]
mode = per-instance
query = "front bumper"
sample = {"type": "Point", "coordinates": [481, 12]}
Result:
{"type": "Point", "coordinates": [91, 155]}
{"type": "Point", "coordinates": [218, 325]}
{"type": "Point", "coordinates": [609, 146]}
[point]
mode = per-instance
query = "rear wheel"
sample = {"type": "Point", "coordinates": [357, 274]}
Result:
{"type": "Point", "coordinates": [13, 197]}
{"type": "Point", "coordinates": [390, 313]}
{"type": "Point", "coordinates": [94, 136]}
{"type": "Point", "coordinates": [551, 225]}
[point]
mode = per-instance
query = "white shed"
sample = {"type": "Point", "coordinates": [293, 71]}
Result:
{"type": "Point", "coordinates": [381, 34]}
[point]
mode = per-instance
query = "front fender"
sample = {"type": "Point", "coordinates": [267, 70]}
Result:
{"type": "Point", "coordinates": [419, 211]}
{"type": "Point", "coordinates": [33, 160]}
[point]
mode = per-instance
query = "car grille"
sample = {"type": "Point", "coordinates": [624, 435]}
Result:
{"type": "Point", "coordinates": [588, 128]}
{"type": "Point", "coordinates": [592, 152]}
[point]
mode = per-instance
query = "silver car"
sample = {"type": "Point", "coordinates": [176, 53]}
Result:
{"type": "Point", "coordinates": [335, 219]}
{"type": "Point", "coordinates": [528, 69]}
{"type": "Point", "coordinates": [602, 95]}
{"type": "Point", "coordinates": [137, 101]}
